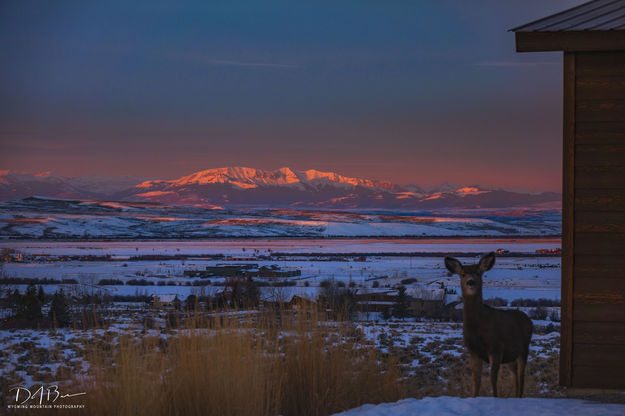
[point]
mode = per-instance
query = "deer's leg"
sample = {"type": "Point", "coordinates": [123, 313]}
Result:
{"type": "Point", "coordinates": [520, 362]}
{"type": "Point", "coordinates": [495, 362]}
{"type": "Point", "coordinates": [476, 371]}
{"type": "Point", "coordinates": [513, 369]}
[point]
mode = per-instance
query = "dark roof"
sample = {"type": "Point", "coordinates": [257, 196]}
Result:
{"type": "Point", "coordinates": [598, 25]}
{"type": "Point", "coordinates": [599, 15]}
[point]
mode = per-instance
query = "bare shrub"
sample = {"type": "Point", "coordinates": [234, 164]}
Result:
{"type": "Point", "coordinates": [496, 302]}
{"type": "Point", "coordinates": [539, 313]}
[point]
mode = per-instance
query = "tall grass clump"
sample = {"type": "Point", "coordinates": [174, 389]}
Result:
{"type": "Point", "coordinates": [229, 364]}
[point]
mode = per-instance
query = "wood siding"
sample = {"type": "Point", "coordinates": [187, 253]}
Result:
{"type": "Point", "coordinates": [593, 264]}
{"type": "Point", "coordinates": [568, 198]}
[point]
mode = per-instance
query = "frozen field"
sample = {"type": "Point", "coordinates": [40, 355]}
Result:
{"type": "Point", "coordinates": [523, 276]}
{"type": "Point", "coordinates": [243, 247]}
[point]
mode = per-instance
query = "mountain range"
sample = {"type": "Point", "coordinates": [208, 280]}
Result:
{"type": "Point", "coordinates": [235, 187]}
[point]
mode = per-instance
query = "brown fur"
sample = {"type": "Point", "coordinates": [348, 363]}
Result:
{"type": "Point", "coordinates": [495, 336]}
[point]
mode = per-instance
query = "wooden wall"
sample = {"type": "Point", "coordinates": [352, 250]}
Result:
{"type": "Point", "coordinates": [593, 281]}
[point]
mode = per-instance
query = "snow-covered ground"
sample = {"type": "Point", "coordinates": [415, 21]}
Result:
{"type": "Point", "coordinates": [479, 406]}
{"type": "Point", "coordinates": [57, 218]}
{"type": "Point", "coordinates": [511, 278]}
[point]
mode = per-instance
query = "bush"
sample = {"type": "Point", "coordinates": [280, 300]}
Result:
{"type": "Point", "coordinates": [110, 282]}
{"type": "Point", "coordinates": [535, 302]}
{"type": "Point", "coordinates": [284, 283]}
{"type": "Point", "coordinates": [244, 293]}
{"type": "Point", "coordinates": [338, 299]}
{"type": "Point", "coordinates": [539, 313]}
{"type": "Point", "coordinates": [549, 302]}
{"type": "Point", "coordinates": [523, 302]}
{"type": "Point", "coordinates": [496, 302]}
{"type": "Point", "coordinates": [139, 282]}
{"type": "Point", "coordinates": [126, 298]}
{"type": "Point", "coordinates": [92, 299]}
{"type": "Point", "coordinates": [41, 281]}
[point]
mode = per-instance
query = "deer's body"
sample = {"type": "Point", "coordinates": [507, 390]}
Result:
{"type": "Point", "coordinates": [495, 336]}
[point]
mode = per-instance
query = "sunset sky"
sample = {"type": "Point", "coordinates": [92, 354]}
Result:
{"type": "Point", "coordinates": [417, 92]}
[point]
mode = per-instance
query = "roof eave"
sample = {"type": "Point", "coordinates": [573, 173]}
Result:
{"type": "Point", "coordinates": [570, 41]}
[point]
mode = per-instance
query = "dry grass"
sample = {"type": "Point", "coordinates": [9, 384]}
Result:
{"type": "Point", "coordinates": [267, 364]}
{"type": "Point", "coordinates": [234, 366]}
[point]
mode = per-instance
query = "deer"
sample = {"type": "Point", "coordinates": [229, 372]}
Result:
{"type": "Point", "coordinates": [494, 336]}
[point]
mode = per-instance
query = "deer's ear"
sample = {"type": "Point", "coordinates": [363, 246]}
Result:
{"type": "Point", "coordinates": [487, 262]}
{"type": "Point", "coordinates": [453, 265]}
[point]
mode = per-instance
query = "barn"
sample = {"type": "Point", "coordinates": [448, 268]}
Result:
{"type": "Point", "coordinates": [592, 38]}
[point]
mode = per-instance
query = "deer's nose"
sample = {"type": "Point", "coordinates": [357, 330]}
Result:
{"type": "Point", "coordinates": [470, 283]}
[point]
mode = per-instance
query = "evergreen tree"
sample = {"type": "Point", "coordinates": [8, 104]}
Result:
{"type": "Point", "coordinates": [29, 306]}
{"type": "Point", "coordinates": [60, 311]}
{"type": "Point", "coordinates": [386, 314]}
{"type": "Point", "coordinates": [41, 295]}
{"type": "Point", "coordinates": [252, 293]}
{"type": "Point", "coordinates": [191, 302]}
{"type": "Point", "coordinates": [401, 306]}
{"type": "Point", "coordinates": [177, 303]}
{"type": "Point", "coordinates": [15, 300]}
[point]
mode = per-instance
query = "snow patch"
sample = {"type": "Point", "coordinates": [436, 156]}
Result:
{"type": "Point", "coordinates": [455, 406]}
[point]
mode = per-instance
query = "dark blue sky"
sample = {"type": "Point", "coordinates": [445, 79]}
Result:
{"type": "Point", "coordinates": [408, 91]}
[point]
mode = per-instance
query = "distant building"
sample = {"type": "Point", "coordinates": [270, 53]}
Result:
{"type": "Point", "coordinates": [423, 302]}
{"type": "Point", "coordinates": [243, 270]}
{"type": "Point", "coordinates": [285, 298]}
{"type": "Point", "coordinates": [555, 251]}
{"type": "Point", "coordinates": [376, 301]}
{"type": "Point", "coordinates": [165, 300]}
{"type": "Point", "coordinates": [427, 302]}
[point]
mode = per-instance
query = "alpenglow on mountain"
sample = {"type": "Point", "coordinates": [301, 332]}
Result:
{"type": "Point", "coordinates": [247, 187]}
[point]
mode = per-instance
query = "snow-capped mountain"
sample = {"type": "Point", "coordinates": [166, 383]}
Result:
{"type": "Point", "coordinates": [247, 178]}
{"type": "Point", "coordinates": [15, 185]}
{"type": "Point", "coordinates": [248, 187]}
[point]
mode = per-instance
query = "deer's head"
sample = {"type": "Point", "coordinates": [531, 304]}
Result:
{"type": "Point", "coordinates": [470, 276]}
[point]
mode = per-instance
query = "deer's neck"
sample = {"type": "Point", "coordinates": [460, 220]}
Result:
{"type": "Point", "coordinates": [472, 309]}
